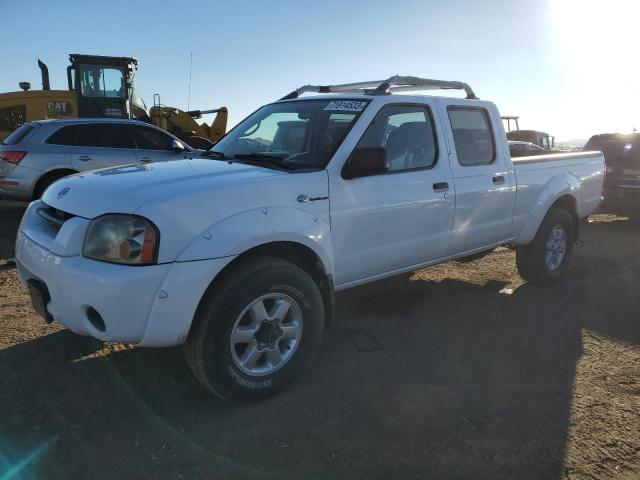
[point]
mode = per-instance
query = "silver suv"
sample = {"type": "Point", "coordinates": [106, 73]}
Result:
{"type": "Point", "coordinates": [41, 152]}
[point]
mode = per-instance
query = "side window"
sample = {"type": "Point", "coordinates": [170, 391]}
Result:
{"type": "Point", "coordinates": [104, 135]}
{"type": "Point", "coordinates": [64, 136]}
{"type": "Point", "coordinates": [472, 136]}
{"type": "Point", "coordinates": [12, 117]}
{"type": "Point", "coordinates": [407, 133]}
{"type": "Point", "coordinates": [151, 139]}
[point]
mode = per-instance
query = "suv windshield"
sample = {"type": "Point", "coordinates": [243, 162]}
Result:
{"type": "Point", "coordinates": [296, 134]}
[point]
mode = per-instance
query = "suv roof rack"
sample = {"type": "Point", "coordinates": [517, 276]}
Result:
{"type": "Point", "coordinates": [396, 83]}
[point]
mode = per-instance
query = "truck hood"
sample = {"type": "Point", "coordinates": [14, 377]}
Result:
{"type": "Point", "coordinates": [127, 188]}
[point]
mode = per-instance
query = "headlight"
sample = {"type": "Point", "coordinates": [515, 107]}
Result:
{"type": "Point", "coordinates": [122, 239]}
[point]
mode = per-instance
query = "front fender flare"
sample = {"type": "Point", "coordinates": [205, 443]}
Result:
{"type": "Point", "coordinates": [243, 231]}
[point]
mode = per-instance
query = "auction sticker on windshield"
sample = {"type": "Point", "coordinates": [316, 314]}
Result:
{"type": "Point", "coordinates": [346, 106]}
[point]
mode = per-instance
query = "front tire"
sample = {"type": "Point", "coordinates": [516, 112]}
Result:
{"type": "Point", "coordinates": [256, 330]}
{"type": "Point", "coordinates": [546, 259]}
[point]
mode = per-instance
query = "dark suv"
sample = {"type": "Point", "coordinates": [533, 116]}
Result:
{"type": "Point", "coordinates": [622, 181]}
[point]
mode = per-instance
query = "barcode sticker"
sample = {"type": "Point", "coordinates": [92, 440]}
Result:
{"type": "Point", "coordinates": [345, 106]}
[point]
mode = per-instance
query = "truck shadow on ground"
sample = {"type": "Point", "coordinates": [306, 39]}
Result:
{"type": "Point", "coordinates": [469, 384]}
{"type": "Point", "coordinates": [10, 214]}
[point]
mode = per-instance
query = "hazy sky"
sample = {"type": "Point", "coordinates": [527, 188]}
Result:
{"type": "Point", "coordinates": [569, 67]}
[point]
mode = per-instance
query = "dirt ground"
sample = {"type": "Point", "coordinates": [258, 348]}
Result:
{"type": "Point", "coordinates": [479, 376]}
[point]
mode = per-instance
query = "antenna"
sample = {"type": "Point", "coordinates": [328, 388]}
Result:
{"type": "Point", "coordinates": [190, 70]}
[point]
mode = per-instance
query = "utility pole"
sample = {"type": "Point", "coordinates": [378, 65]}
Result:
{"type": "Point", "coordinates": [189, 94]}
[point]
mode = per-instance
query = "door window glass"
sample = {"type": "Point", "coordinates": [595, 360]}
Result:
{"type": "Point", "coordinates": [407, 133]}
{"type": "Point", "coordinates": [151, 139]}
{"type": "Point", "coordinates": [104, 135]}
{"type": "Point", "coordinates": [472, 136]}
{"type": "Point", "coordinates": [64, 136]}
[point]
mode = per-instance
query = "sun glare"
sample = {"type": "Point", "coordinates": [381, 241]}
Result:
{"type": "Point", "coordinates": [597, 45]}
{"type": "Point", "coordinates": [596, 31]}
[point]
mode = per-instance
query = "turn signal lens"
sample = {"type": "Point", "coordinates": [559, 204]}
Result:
{"type": "Point", "coordinates": [125, 239]}
{"type": "Point", "coordinates": [12, 157]}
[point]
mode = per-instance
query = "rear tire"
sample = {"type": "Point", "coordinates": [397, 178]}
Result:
{"type": "Point", "coordinates": [241, 346]}
{"type": "Point", "coordinates": [546, 259]}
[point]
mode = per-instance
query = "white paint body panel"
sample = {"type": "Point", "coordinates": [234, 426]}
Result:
{"type": "Point", "coordinates": [209, 212]}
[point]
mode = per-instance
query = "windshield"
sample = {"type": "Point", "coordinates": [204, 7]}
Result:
{"type": "Point", "coordinates": [297, 134]}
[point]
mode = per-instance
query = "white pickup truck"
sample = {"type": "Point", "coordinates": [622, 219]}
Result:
{"type": "Point", "coordinates": [237, 255]}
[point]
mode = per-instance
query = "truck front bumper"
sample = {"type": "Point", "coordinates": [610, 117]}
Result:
{"type": "Point", "coordinates": [147, 305]}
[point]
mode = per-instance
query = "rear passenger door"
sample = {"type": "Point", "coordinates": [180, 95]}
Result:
{"type": "Point", "coordinates": [100, 145]}
{"type": "Point", "coordinates": [154, 145]}
{"type": "Point", "coordinates": [57, 147]}
{"type": "Point", "coordinates": [483, 176]}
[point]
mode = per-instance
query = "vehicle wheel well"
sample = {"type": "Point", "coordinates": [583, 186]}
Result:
{"type": "Point", "coordinates": [48, 178]}
{"type": "Point", "coordinates": [568, 203]}
{"type": "Point", "coordinates": [298, 254]}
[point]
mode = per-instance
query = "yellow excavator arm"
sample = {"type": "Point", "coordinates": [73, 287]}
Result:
{"type": "Point", "coordinates": [184, 126]}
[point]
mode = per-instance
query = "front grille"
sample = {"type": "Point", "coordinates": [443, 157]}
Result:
{"type": "Point", "coordinates": [53, 215]}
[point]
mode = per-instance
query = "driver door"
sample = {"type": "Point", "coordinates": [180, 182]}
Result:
{"type": "Point", "coordinates": [391, 221]}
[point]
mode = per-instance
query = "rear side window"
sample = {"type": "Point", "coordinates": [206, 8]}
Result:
{"type": "Point", "coordinates": [472, 135]}
{"type": "Point", "coordinates": [18, 135]}
{"type": "Point", "coordinates": [151, 139]}
{"type": "Point", "coordinates": [64, 136]}
{"type": "Point", "coordinates": [104, 135]}
{"type": "Point", "coordinates": [407, 134]}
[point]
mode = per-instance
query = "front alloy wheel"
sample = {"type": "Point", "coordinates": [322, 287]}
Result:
{"type": "Point", "coordinates": [247, 340]}
{"type": "Point", "coordinates": [266, 334]}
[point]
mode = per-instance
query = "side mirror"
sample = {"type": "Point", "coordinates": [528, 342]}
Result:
{"type": "Point", "coordinates": [365, 162]}
{"type": "Point", "coordinates": [177, 146]}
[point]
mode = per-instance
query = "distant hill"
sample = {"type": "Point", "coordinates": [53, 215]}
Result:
{"type": "Point", "coordinates": [571, 144]}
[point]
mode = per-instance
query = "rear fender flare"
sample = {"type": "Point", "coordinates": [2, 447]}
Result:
{"type": "Point", "coordinates": [558, 186]}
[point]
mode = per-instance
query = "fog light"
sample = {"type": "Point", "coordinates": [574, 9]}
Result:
{"type": "Point", "coordinates": [95, 319]}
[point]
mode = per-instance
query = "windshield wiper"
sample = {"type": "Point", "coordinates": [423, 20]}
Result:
{"type": "Point", "coordinates": [261, 156]}
{"type": "Point", "coordinates": [214, 154]}
{"type": "Point", "coordinates": [271, 159]}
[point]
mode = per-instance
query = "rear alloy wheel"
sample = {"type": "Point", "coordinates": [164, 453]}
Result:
{"type": "Point", "coordinates": [556, 248]}
{"type": "Point", "coordinates": [546, 259]}
{"type": "Point", "coordinates": [256, 329]}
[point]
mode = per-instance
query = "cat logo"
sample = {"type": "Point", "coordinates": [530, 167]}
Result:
{"type": "Point", "coordinates": [57, 109]}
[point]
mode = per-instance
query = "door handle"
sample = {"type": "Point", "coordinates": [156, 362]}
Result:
{"type": "Point", "coordinates": [146, 159]}
{"type": "Point", "coordinates": [84, 158]}
{"type": "Point", "coordinates": [440, 187]}
{"type": "Point", "coordinates": [498, 179]}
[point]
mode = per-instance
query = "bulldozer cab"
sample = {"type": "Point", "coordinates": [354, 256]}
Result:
{"type": "Point", "coordinates": [105, 86]}
{"type": "Point", "coordinates": [99, 87]}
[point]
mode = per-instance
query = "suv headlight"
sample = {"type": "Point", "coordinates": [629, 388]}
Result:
{"type": "Point", "coordinates": [125, 239]}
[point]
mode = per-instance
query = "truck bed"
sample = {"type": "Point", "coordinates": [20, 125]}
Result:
{"type": "Point", "coordinates": [582, 171]}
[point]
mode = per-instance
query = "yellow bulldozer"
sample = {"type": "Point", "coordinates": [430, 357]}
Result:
{"type": "Point", "coordinates": [101, 86]}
